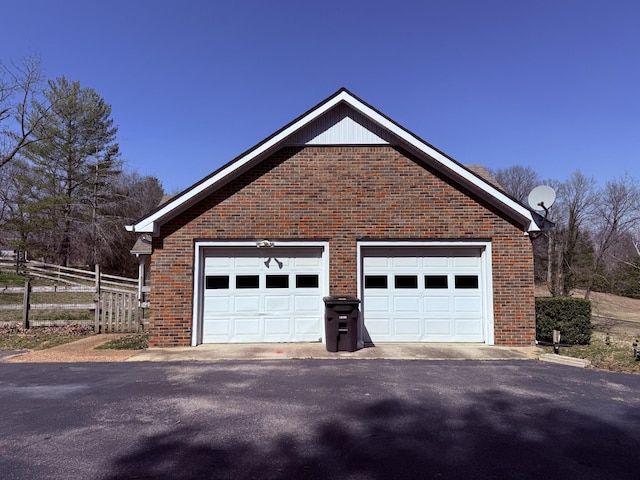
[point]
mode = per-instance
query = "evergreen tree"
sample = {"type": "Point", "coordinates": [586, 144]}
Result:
{"type": "Point", "coordinates": [72, 168]}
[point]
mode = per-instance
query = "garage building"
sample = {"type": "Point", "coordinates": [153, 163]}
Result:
{"type": "Point", "coordinates": [342, 201]}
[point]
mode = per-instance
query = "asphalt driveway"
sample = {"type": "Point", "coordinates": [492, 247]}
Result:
{"type": "Point", "coordinates": [318, 419]}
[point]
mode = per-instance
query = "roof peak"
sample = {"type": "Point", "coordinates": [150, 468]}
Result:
{"type": "Point", "coordinates": [384, 130]}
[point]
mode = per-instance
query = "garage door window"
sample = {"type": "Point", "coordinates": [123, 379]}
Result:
{"type": "Point", "coordinates": [217, 282]}
{"type": "Point", "coordinates": [277, 281]}
{"type": "Point", "coordinates": [247, 281]}
{"type": "Point", "coordinates": [406, 281]}
{"type": "Point", "coordinates": [375, 281]}
{"type": "Point", "coordinates": [307, 281]}
{"type": "Point", "coordinates": [467, 281]}
{"type": "Point", "coordinates": [436, 281]}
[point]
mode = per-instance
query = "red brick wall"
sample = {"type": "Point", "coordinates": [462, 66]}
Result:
{"type": "Point", "coordinates": [340, 194]}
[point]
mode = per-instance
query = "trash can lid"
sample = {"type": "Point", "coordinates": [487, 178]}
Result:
{"type": "Point", "coordinates": [341, 299]}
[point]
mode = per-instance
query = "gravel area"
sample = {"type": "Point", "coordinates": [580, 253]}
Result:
{"type": "Point", "coordinates": [79, 351]}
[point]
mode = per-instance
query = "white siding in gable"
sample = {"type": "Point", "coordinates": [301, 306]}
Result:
{"type": "Point", "coordinates": [341, 125]}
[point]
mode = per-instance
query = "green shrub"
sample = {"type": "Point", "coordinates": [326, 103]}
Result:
{"type": "Point", "coordinates": [571, 316]}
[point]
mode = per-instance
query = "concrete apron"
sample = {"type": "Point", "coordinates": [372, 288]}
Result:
{"type": "Point", "coordinates": [399, 351]}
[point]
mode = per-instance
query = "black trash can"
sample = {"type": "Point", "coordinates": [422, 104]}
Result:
{"type": "Point", "coordinates": [341, 323]}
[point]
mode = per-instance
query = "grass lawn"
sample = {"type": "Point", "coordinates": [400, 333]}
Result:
{"type": "Point", "coordinates": [614, 353]}
{"type": "Point", "coordinates": [40, 338]}
{"type": "Point", "coordinates": [11, 280]}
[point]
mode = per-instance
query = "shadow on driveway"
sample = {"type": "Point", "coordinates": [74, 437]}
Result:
{"type": "Point", "coordinates": [495, 435]}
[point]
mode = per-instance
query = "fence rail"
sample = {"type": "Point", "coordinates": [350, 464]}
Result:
{"type": "Point", "coordinates": [116, 307]}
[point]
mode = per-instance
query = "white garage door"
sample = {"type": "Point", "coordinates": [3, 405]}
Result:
{"type": "Point", "coordinates": [263, 295]}
{"type": "Point", "coordinates": [423, 295]}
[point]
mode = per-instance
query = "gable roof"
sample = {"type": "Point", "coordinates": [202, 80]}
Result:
{"type": "Point", "coordinates": [341, 119]}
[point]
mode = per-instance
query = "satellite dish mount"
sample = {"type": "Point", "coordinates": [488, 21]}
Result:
{"type": "Point", "coordinates": [542, 198]}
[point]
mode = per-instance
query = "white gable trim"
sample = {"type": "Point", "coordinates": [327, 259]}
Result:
{"type": "Point", "coordinates": [151, 223]}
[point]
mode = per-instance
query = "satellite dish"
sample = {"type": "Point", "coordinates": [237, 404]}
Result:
{"type": "Point", "coordinates": [542, 197]}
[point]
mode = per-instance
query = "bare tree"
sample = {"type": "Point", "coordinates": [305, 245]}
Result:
{"type": "Point", "coordinates": [616, 213]}
{"type": "Point", "coordinates": [22, 106]}
{"type": "Point", "coordinates": [575, 202]}
{"type": "Point", "coordinates": [517, 181]}
{"type": "Point", "coordinates": [107, 241]}
{"type": "Point", "coordinates": [596, 240]}
{"type": "Point", "coordinates": [143, 195]}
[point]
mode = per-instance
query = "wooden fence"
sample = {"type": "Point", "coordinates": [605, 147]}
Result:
{"type": "Point", "coordinates": [115, 306]}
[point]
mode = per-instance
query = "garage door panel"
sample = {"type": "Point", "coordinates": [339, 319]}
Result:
{"type": "Point", "coordinates": [381, 327]}
{"type": "Point", "coordinates": [401, 262]}
{"type": "Point", "coordinates": [277, 303]}
{"type": "Point", "coordinates": [406, 304]}
{"type": "Point", "coordinates": [216, 305]}
{"type": "Point", "coordinates": [313, 262]}
{"type": "Point", "coordinates": [215, 263]}
{"type": "Point", "coordinates": [246, 303]}
{"type": "Point", "coordinates": [307, 327]}
{"type": "Point", "coordinates": [277, 326]}
{"type": "Point", "coordinates": [434, 304]}
{"type": "Point", "coordinates": [245, 263]}
{"type": "Point", "coordinates": [376, 262]}
{"type": "Point", "coordinates": [219, 327]}
{"type": "Point", "coordinates": [436, 262]}
{"type": "Point", "coordinates": [467, 304]}
{"type": "Point", "coordinates": [467, 327]}
{"type": "Point", "coordinates": [378, 303]}
{"type": "Point", "coordinates": [305, 304]}
{"type": "Point", "coordinates": [466, 262]}
{"type": "Point", "coordinates": [438, 327]}
{"type": "Point", "coordinates": [246, 326]}
{"type": "Point", "coordinates": [407, 326]}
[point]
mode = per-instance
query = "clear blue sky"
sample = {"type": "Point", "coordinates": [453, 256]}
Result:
{"type": "Point", "coordinates": [553, 84]}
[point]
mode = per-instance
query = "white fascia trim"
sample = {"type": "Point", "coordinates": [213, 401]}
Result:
{"type": "Point", "coordinates": [487, 274]}
{"type": "Point", "coordinates": [198, 270]}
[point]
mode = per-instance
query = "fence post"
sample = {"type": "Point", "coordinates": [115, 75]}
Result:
{"type": "Point", "coordinates": [96, 327]}
{"type": "Point", "coordinates": [25, 304]}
